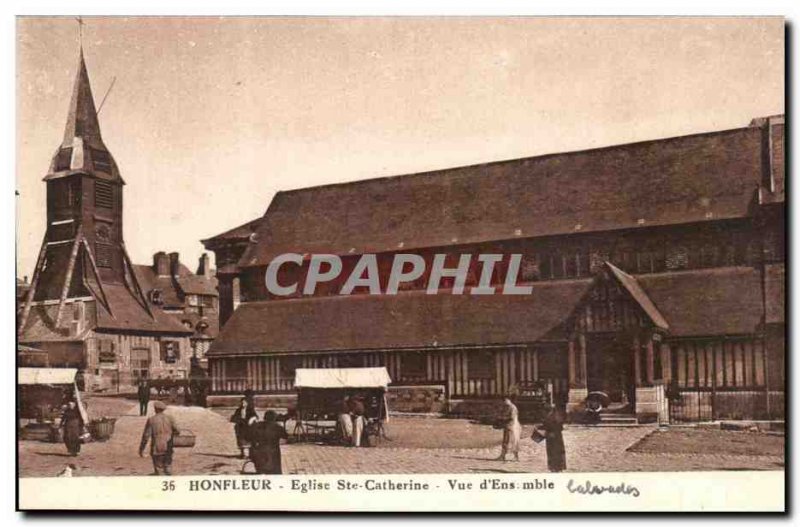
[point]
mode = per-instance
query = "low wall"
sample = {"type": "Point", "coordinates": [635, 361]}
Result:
{"type": "Point", "coordinates": [428, 399]}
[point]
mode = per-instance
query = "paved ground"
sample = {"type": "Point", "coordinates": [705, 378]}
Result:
{"type": "Point", "coordinates": [588, 449]}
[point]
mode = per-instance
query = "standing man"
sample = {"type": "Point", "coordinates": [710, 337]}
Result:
{"type": "Point", "coordinates": [159, 430]}
{"type": "Point", "coordinates": [144, 396]}
{"type": "Point", "coordinates": [345, 422]}
{"type": "Point", "coordinates": [357, 410]}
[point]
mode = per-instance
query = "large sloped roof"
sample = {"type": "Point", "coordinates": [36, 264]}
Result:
{"type": "Point", "coordinates": [669, 181]}
{"type": "Point", "coordinates": [708, 302]}
{"type": "Point", "coordinates": [407, 320]}
{"type": "Point", "coordinates": [128, 314]}
{"type": "Point", "coordinates": [705, 302]}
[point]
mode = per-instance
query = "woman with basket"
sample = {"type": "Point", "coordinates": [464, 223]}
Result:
{"type": "Point", "coordinates": [242, 418]}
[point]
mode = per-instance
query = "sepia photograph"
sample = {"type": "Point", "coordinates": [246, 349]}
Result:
{"type": "Point", "coordinates": [387, 257]}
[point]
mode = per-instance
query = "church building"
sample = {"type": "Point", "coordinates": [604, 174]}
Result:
{"type": "Point", "coordinates": [657, 273]}
{"type": "Point", "coordinates": [86, 306]}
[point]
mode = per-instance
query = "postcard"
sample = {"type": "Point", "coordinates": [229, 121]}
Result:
{"type": "Point", "coordinates": [401, 264]}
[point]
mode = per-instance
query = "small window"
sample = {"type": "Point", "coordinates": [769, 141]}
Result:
{"type": "Point", "coordinates": [156, 297]}
{"type": "Point", "coordinates": [101, 160]}
{"type": "Point", "coordinates": [678, 258]}
{"type": "Point", "coordinates": [170, 351]}
{"type": "Point", "coordinates": [103, 254]}
{"type": "Point", "coordinates": [103, 195]}
{"type": "Point", "coordinates": [140, 363]}
{"type": "Point", "coordinates": [105, 350]}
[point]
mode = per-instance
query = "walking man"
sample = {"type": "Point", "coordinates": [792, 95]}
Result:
{"type": "Point", "coordinates": [159, 430]}
{"type": "Point", "coordinates": [144, 396]}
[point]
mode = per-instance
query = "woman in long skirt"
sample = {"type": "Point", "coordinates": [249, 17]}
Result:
{"type": "Point", "coordinates": [72, 423]}
{"type": "Point", "coordinates": [242, 418]}
{"type": "Point", "coordinates": [511, 430]}
{"type": "Point", "coordinates": [266, 452]}
{"type": "Point", "coordinates": [553, 425]}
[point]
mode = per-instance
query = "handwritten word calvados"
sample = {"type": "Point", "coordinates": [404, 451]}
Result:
{"type": "Point", "coordinates": [591, 488]}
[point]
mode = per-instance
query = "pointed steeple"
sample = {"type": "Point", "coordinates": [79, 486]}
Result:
{"type": "Point", "coordinates": [82, 149]}
{"type": "Point", "coordinates": [82, 118]}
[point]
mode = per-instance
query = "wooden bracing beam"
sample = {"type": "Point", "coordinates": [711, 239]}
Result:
{"type": "Point", "coordinates": [96, 273]}
{"type": "Point", "coordinates": [37, 272]}
{"type": "Point", "coordinates": [73, 256]}
{"type": "Point", "coordinates": [135, 283]}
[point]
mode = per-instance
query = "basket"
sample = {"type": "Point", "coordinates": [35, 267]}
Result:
{"type": "Point", "coordinates": [185, 439]}
{"type": "Point", "coordinates": [37, 432]}
{"type": "Point", "coordinates": [102, 429]}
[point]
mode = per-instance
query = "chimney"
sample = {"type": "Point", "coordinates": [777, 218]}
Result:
{"type": "Point", "coordinates": [174, 261]}
{"type": "Point", "coordinates": [161, 263]}
{"type": "Point", "coordinates": [204, 267]}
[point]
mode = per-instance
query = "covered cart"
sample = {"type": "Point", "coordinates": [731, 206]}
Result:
{"type": "Point", "coordinates": [321, 393]}
{"type": "Point", "coordinates": [41, 394]}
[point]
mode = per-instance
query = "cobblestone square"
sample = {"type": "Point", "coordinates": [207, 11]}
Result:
{"type": "Point", "coordinates": [589, 449]}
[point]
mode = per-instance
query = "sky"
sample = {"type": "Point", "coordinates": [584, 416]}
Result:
{"type": "Point", "coordinates": [209, 117]}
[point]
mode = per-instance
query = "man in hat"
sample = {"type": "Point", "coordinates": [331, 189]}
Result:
{"type": "Point", "coordinates": [143, 393]}
{"type": "Point", "coordinates": [159, 430]}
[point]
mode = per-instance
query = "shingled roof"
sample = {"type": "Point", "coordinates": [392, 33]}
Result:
{"type": "Point", "coordinates": [127, 314]}
{"type": "Point", "coordinates": [707, 302]}
{"type": "Point", "coordinates": [407, 320]}
{"type": "Point", "coordinates": [661, 182]}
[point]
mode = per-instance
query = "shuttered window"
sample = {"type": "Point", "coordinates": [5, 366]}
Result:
{"type": "Point", "coordinates": [103, 254]}
{"type": "Point", "coordinates": [170, 351]}
{"type": "Point", "coordinates": [103, 195]}
{"type": "Point", "coordinates": [105, 350]}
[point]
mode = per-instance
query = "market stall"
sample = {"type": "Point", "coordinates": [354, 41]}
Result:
{"type": "Point", "coordinates": [41, 394]}
{"type": "Point", "coordinates": [321, 393]}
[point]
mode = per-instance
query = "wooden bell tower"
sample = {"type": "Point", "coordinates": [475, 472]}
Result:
{"type": "Point", "coordinates": [83, 247]}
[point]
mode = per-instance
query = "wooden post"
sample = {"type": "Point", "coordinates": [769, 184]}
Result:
{"type": "Point", "coordinates": [637, 362]}
{"type": "Point", "coordinates": [582, 372]}
{"type": "Point", "coordinates": [666, 363]}
{"type": "Point", "coordinates": [650, 356]}
{"type": "Point", "coordinates": [571, 362]}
